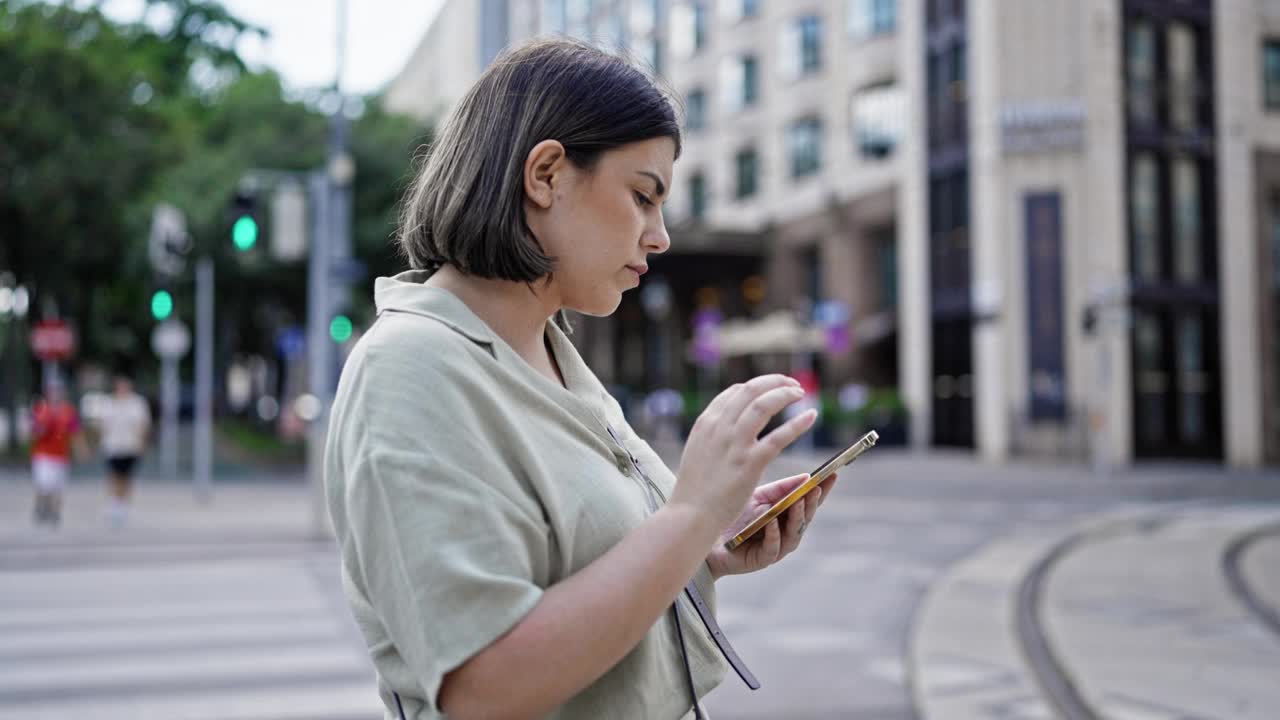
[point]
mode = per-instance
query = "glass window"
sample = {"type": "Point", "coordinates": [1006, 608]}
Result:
{"type": "Point", "coordinates": [1151, 380]}
{"type": "Point", "coordinates": [697, 196]}
{"type": "Point", "coordinates": [1141, 71]}
{"type": "Point", "coordinates": [810, 43]}
{"type": "Point", "coordinates": [1271, 74]}
{"type": "Point", "coordinates": [801, 51]}
{"type": "Point", "coordinates": [887, 255]}
{"type": "Point", "coordinates": [1275, 250]}
{"type": "Point", "coordinates": [1192, 382]}
{"type": "Point", "coordinates": [1145, 208]}
{"type": "Point", "coordinates": [696, 109]}
{"type": "Point", "coordinates": [740, 78]}
{"type": "Point", "coordinates": [868, 18]}
{"type": "Point", "coordinates": [553, 16]}
{"type": "Point", "coordinates": [644, 16]}
{"type": "Point", "coordinates": [699, 26]}
{"type": "Point", "coordinates": [1186, 220]}
{"type": "Point", "coordinates": [578, 14]}
{"type": "Point", "coordinates": [746, 166]}
{"type": "Point", "coordinates": [804, 145]}
{"type": "Point", "coordinates": [649, 51]}
{"type": "Point", "coordinates": [876, 116]}
{"type": "Point", "coordinates": [735, 10]}
{"type": "Point", "coordinates": [682, 30]}
{"type": "Point", "coordinates": [750, 80]}
{"type": "Point", "coordinates": [1182, 76]}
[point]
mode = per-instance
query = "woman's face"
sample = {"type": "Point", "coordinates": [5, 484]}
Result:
{"type": "Point", "coordinates": [601, 224]}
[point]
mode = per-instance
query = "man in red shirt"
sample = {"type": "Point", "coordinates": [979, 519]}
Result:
{"type": "Point", "coordinates": [54, 427]}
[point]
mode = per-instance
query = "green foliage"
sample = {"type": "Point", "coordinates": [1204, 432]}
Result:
{"type": "Point", "coordinates": [101, 120]}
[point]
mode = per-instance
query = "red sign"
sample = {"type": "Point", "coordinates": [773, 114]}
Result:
{"type": "Point", "coordinates": [53, 340]}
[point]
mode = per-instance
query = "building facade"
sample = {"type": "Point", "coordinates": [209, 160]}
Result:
{"type": "Point", "coordinates": [1053, 227]}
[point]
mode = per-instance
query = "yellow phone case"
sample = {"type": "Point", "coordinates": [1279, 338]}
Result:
{"type": "Point", "coordinates": [845, 457]}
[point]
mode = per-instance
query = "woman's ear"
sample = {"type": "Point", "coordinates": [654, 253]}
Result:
{"type": "Point", "coordinates": [543, 169]}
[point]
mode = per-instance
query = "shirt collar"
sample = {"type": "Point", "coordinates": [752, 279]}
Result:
{"type": "Point", "coordinates": [406, 292]}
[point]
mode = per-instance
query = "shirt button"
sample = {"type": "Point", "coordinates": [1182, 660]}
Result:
{"type": "Point", "coordinates": [624, 466]}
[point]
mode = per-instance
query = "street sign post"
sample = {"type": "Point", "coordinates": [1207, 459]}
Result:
{"type": "Point", "coordinates": [53, 340]}
{"type": "Point", "coordinates": [170, 340]}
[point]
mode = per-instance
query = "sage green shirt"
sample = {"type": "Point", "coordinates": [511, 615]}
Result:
{"type": "Point", "coordinates": [462, 483]}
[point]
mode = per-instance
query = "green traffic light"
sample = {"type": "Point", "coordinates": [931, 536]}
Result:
{"type": "Point", "coordinates": [161, 304]}
{"type": "Point", "coordinates": [340, 328]}
{"type": "Point", "coordinates": [244, 233]}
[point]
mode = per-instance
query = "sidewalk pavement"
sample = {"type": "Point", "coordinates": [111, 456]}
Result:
{"type": "Point", "coordinates": [1137, 614]}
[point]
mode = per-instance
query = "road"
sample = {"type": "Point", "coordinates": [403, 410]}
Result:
{"type": "Point", "coordinates": [231, 611]}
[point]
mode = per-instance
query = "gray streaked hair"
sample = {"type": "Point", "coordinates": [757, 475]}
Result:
{"type": "Point", "coordinates": [466, 205]}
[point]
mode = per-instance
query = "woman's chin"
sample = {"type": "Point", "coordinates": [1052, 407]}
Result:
{"type": "Point", "coordinates": [598, 307]}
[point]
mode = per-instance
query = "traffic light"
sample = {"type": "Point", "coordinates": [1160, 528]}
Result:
{"type": "Point", "coordinates": [244, 221]}
{"type": "Point", "coordinates": [340, 329]}
{"type": "Point", "coordinates": [161, 305]}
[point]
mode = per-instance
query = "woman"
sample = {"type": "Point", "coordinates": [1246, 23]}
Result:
{"type": "Point", "coordinates": [510, 547]}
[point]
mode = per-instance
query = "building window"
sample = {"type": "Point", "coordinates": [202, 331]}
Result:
{"type": "Point", "coordinates": [1141, 71]}
{"type": "Point", "coordinates": [804, 145]}
{"type": "Point", "coordinates": [740, 78]}
{"type": "Point", "coordinates": [1151, 380]}
{"type": "Point", "coordinates": [644, 16]}
{"type": "Point", "coordinates": [1192, 382]}
{"type": "Point", "coordinates": [747, 167]}
{"type": "Point", "coordinates": [697, 196]}
{"type": "Point", "coordinates": [1181, 50]}
{"type": "Point", "coordinates": [876, 116]}
{"type": "Point", "coordinates": [553, 16]}
{"type": "Point", "coordinates": [736, 10]}
{"type": "Point", "coordinates": [869, 18]}
{"type": "Point", "coordinates": [802, 47]}
{"type": "Point", "coordinates": [1145, 201]}
{"type": "Point", "coordinates": [688, 28]}
{"type": "Point", "coordinates": [886, 244]}
{"type": "Point", "coordinates": [1271, 73]}
{"type": "Point", "coordinates": [1186, 220]}
{"type": "Point", "coordinates": [578, 13]}
{"type": "Point", "coordinates": [649, 50]}
{"type": "Point", "coordinates": [699, 26]}
{"type": "Point", "coordinates": [696, 109]}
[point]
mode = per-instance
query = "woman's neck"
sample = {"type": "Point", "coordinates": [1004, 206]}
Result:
{"type": "Point", "coordinates": [517, 313]}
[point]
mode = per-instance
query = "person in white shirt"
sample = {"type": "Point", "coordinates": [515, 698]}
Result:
{"type": "Point", "coordinates": [126, 426]}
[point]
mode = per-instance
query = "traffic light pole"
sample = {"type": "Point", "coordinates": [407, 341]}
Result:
{"type": "Point", "coordinates": [319, 352]}
{"type": "Point", "coordinates": [203, 450]}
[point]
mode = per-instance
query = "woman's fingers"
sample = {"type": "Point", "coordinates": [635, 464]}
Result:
{"type": "Point", "coordinates": [735, 403]}
{"type": "Point", "coordinates": [797, 519]}
{"type": "Point", "coordinates": [771, 545]}
{"type": "Point", "coordinates": [812, 502]}
{"type": "Point", "coordinates": [775, 442]}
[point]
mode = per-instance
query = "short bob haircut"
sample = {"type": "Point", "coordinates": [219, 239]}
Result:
{"type": "Point", "coordinates": [466, 206]}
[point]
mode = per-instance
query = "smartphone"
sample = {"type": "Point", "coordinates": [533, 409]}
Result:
{"type": "Point", "coordinates": [816, 478]}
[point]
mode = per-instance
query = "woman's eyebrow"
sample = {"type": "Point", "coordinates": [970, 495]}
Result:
{"type": "Point", "coordinates": [662, 189]}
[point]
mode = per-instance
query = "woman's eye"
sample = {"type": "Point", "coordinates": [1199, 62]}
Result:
{"type": "Point", "coordinates": [640, 198]}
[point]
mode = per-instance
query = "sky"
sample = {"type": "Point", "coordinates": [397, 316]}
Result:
{"type": "Point", "coordinates": [302, 46]}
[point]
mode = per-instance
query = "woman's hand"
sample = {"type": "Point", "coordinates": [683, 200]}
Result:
{"type": "Point", "coordinates": [779, 538]}
{"type": "Point", "coordinates": [724, 455]}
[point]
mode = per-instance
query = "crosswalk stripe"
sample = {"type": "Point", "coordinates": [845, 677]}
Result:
{"type": "Point", "coordinates": [22, 644]}
{"type": "Point", "coordinates": [238, 640]}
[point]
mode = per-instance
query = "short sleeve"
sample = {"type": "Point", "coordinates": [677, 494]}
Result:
{"type": "Point", "coordinates": [450, 544]}
{"type": "Point", "coordinates": [448, 563]}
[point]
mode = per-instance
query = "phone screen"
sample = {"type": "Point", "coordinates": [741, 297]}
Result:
{"type": "Point", "coordinates": [816, 478]}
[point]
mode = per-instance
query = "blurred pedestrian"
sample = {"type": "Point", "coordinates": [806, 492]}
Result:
{"type": "Point", "coordinates": [125, 420]}
{"type": "Point", "coordinates": [510, 546]}
{"type": "Point", "coordinates": [55, 427]}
